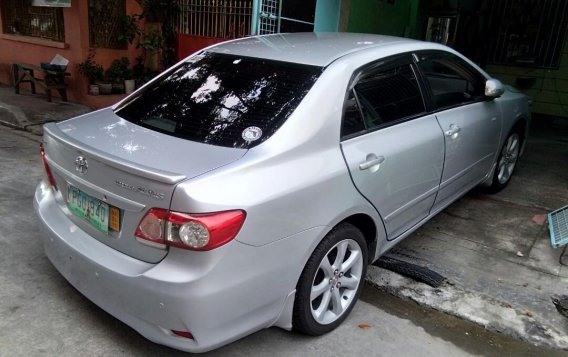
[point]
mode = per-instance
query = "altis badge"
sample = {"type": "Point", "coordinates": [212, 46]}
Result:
{"type": "Point", "coordinates": [141, 190]}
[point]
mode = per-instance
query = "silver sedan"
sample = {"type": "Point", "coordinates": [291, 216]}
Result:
{"type": "Point", "coordinates": [251, 184]}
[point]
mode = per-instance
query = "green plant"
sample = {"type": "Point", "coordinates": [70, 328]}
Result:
{"type": "Point", "coordinates": [118, 70]}
{"type": "Point", "coordinates": [141, 73]}
{"type": "Point", "coordinates": [151, 44]}
{"type": "Point", "coordinates": [155, 10]}
{"type": "Point", "coordinates": [164, 12]}
{"type": "Point", "coordinates": [129, 28]}
{"type": "Point", "coordinates": [90, 69]}
{"type": "Point", "coordinates": [150, 40]}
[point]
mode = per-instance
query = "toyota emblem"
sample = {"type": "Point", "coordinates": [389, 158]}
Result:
{"type": "Point", "coordinates": [81, 165]}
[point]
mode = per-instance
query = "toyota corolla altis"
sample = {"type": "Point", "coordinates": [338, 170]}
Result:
{"type": "Point", "coordinates": [251, 184]}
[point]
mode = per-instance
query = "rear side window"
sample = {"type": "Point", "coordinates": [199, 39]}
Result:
{"type": "Point", "coordinates": [223, 100]}
{"type": "Point", "coordinates": [382, 96]}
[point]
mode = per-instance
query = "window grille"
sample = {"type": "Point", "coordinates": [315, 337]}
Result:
{"type": "Point", "coordinates": [527, 32]}
{"type": "Point", "coordinates": [277, 16]}
{"type": "Point", "coordinates": [269, 17]}
{"type": "Point", "coordinates": [106, 22]}
{"type": "Point", "coordinates": [21, 18]}
{"type": "Point", "coordinates": [215, 18]}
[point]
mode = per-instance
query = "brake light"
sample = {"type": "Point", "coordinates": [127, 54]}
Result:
{"type": "Point", "coordinates": [46, 167]}
{"type": "Point", "coordinates": [161, 227]}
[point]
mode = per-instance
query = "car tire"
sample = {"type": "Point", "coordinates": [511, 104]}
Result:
{"type": "Point", "coordinates": [331, 281]}
{"type": "Point", "coordinates": [506, 162]}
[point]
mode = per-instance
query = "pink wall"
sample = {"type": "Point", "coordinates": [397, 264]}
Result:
{"type": "Point", "coordinates": [23, 49]}
{"type": "Point", "coordinates": [187, 44]}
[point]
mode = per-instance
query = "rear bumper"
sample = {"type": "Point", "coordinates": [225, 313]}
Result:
{"type": "Point", "coordinates": [218, 296]}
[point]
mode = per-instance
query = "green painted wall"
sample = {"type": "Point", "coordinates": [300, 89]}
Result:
{"type": "Point", "coordinates": [550, 89]}
{"type": "Point", "coordinates": [397, 17]}
{"type": "Point", "coordinates": [254, 19]}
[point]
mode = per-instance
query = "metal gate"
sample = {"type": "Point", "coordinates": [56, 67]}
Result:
{"type": "Point", "coordinates": [202, 23]}
{"type": "Point", "coordinates": [275, 16]}
{"type": "Point", "coordinates": [214, 18]}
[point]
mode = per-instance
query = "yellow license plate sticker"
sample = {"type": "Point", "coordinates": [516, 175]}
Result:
{"type": "Point", "coordinates": [114, 220]}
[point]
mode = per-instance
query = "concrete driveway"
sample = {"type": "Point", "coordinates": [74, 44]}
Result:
{"type": "Point", "coordinates": [495, 249]}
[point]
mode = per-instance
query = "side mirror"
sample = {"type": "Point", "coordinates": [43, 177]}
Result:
{"type": "Point", "coordinates": [494, 88]}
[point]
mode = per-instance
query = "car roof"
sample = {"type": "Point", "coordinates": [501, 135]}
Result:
{"type": "Point", "coordinates": [311, 48]}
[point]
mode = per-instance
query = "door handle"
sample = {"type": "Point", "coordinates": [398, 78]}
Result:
{"type": "Point", "coordinates": [453, 131]}
{"type": "Point", "coordinates": [372, 160]}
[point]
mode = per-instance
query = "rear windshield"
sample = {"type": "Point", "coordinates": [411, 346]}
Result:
{"type": "Point", "coordinates": [222, 99]}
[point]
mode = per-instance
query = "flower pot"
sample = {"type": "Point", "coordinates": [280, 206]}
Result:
{"type": "Point", "coordinates": [93, 89]}
{"type": "Point", "coordinates": [105, 88]}
{"type": "Point", "coordinates": [118, 88]}
{"type": "Point", "coordinates": [129, 85]}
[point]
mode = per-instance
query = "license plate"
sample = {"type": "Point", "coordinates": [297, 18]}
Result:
{"type": "Point", "coordinates": [91, 209]}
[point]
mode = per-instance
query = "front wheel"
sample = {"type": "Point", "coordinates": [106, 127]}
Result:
{"type": "Point", "coordinates": [331, 281]}
{"type": "Point", "coordinates": [506, 162]}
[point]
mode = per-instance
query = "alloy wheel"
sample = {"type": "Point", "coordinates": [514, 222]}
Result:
{"type": "Point", "coordinates": [336, 281]}
{"type": "Point", "coordinates": [508, 158]}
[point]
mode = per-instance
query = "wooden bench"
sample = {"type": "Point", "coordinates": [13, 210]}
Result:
{"type": "Point", "coordinates": [25, 73]}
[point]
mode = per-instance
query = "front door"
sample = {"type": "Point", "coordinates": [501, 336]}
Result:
{"type": "Point", "coordinates": [471, 123]}
{"type": "Point", "coordinates": [393, 149]}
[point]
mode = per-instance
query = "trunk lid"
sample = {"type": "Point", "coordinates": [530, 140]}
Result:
{"type": "Point", "coordinates": [125, 166]}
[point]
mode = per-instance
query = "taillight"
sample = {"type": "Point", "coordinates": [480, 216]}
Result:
{"type": "Point", "coordinates": [161, 227]}
{"type": "Point", "coordinates": [151, 227]}
{"type": "Point", "coordinates": [46, 167]}
{"type": "Point", "coordinates": [183, 334]}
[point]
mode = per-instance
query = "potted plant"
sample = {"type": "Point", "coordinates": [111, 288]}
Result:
{"type": "Point", "coordinates": [141, 73]}
{"type": "Point", "coordinates": [129, 85]}
{"type": "Point", "coordinates": [92, 71]}
{"type": "Point", "coordinates": [105, 88]}
{"type": "Point", "coordinates": [117, 73]}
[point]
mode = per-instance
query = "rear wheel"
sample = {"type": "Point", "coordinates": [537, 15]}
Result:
{"type": "Point", "coordinates": [331, 281]}
{"type": "Point", "coordinates": [506, 162]}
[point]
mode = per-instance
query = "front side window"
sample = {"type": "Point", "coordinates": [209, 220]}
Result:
{"type": "Point", "coordinates": [224, 100]}
{"type": "Point", "coordinates": [452, 81]}
{"type": "Point", "coordinates": [383, 96]}
{"type": "Point", "coordinates": [19, 17]}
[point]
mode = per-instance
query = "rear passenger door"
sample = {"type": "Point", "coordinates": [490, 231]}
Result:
{"type": "Point", "coordinates": [393, 148]}
{"type": "Point", "coordinates": [471, 123]}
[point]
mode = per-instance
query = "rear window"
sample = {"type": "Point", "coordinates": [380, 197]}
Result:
{"type": "Point", "coordinates": [223, 100]}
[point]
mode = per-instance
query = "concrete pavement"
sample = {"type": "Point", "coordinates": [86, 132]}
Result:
{"type": "Point", "coordinates": [494, 250]}
{"type": "Point", "coordinates": [43, 315]}
{"type": "Point", "coordinates": [30, 111]}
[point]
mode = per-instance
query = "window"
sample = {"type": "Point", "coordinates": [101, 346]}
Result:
{"type": "Point", "coordinates": [277, 16]}
{"type": "Point", "coordinates": [352, 120]}
{"type": "Point", "coordinates": [383, 96]}
{"type": "Point", "coordinates": [107, 21]}
{"type": "Point", "coordinates": [527, 33]}
{"type": "Point", "coordinates": [21, 18]}
{"type": "Point", "coordinates": [452, 81]}
{"type": "Point", "coordinates": [224, 100]}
